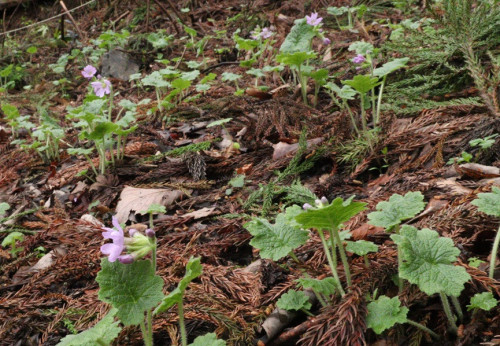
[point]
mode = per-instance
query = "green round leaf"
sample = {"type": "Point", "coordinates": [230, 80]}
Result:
{"type": "Point", "coordinates": [131, 288]}
{"type": "Point", "coordinates": [398, 208]}
{"type": "Point", "coordinates": [294, 300]}
{"type": "Point", "coordinates": [384, 313]}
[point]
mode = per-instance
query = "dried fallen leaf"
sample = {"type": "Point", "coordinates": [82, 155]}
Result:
{"type": "Point", "coordinates": [366, 230]}
{"type": "Point", "coordinates": [198, 214]}
{"type": "Point", "coordinates": [452, 186]}
{"type": "Point", "coordinates": [137, 199]}
{"type": "Point", "coordinates": [283, 149]}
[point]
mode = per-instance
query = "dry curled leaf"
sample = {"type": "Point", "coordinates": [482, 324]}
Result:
{"type": "Point", "coordinates": [135, 199]}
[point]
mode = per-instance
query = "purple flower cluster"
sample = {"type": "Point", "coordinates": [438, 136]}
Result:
{"type": "Point", "coordinates": [101, 86]}
{"type": "Point", "coordinates": [265, 33]}
{"type": "Point", "coordinates": [320, 203]}
{"type": "Point", "coordinates": [138, 245]}
{"type": "Point", "coordinates": [358, 59]}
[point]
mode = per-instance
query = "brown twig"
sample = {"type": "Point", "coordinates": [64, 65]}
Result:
{"type": "Point", "coordinates": [63, 5]}
{"type": "Point", "coordinates": [168, 15]}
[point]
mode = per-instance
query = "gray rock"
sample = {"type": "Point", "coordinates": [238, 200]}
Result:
{"type": "Point", "coordinates": [118, 64]}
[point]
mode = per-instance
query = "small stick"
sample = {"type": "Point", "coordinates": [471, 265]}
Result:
{"type": "Point", "coordinates": [63, 5]}
{"type": "Point", "coordinates": [168, 15]}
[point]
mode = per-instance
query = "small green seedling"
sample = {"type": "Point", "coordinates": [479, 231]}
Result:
{"type": "Point", "coordinates": [465, 157]}
{"type": "Point", "coordinates": [209, 339]}
{"type": "Point", "coordinates": [385, 312]}
{"type": "Point", "coordinates": [330, 217]}
{"type": "Point", "coordinates": [236, 182]}
{"type": "Point", "coordinates": [482, 301]}
{"type": "Point", "coordinates": [484, 143]}
{"type": "Point", "coordinates": [321, 288]}
{"type": "Point", "coordinates": [295, 300]}
{"type": "Point", "coordinates": [10, 241]}
{"type": "Point", "coordinates": [278, 240]}
{"type": "Point", "coordinates": [233, 77]}
{"type": "Point", "coordinates": [193, 270]}
{"type": "Point", "coordinates": [3, 208]}
{"type": "Point", "coordinates": [489, 203]}
{"type": "Point", "coordinates": [475, 262]}
{"type": "Point", "coordinates": [103, 333]}
{"type": "Point", "coordinates": [390, 214]}
{"type": "Point", "coordinates": [153, 209]}
{"type": "Point", "coordinates": [427, 261]}
{"type": "Point", "coordinates": [362, 248]}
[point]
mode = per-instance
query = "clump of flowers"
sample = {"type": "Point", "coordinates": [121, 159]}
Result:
{"type": "Point", "coordinates": [101, 86]}
{"type": "Point", "coordinates": [136, 246]}
{"type": "Point", "coordinates": [263, 33]}
{"type": "Point", "coordinates": [358, 59]}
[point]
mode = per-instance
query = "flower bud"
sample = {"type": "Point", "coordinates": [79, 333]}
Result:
{"type": "Point", "coordinates": [132, 231]}
{"type": "Point", "coordinates": [324, 200]}
{"type": "Point", "coordinates": [327, 41]}
{"type": "Point", "coordinates": [307, 206]}
{"type": "Point", "coordinates": [126, 259]}
{"type": "Point", "coordinates": [150, 233]}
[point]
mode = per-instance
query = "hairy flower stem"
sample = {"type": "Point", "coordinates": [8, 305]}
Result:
{"type": "Point", "coordinates": [320, 298]}
{"type": "Point", "coordinates": [494, 252]}
{"type": "Point", "coordinates": [326, 248]}
{"type": "Point", "coordinates": [424, 328]}
{"type": "Point", "coordinates": [182, 325]}
{"type": "Point", "coordinates": [458, 309]}
{"type": "Point", "coordinates": [149, 319]}
{"type": "Point", "coordinates": [145, 335]}
{"type": "Point", "coordinates": [447, 311]}
{"type": "Point", "coordinates": [294, 257]}
{"type": "Point", "coordinates": [343, 257]}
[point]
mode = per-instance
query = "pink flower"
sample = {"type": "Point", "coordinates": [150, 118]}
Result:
{"type": "Point", "coordinates": [101, 87]}
{"type": "Point", "coordinates": [114, 249]}
{"type": "Point", "coordinates": [326, 41]}
{"type": "Point", "coordinates": [358, 59]}
{"type": "Point", "coordinates": [266, 33]}
{"type": "Point", "coordinates": [89, 71]}
{"type": "Point", "coordinates": [313, 19]}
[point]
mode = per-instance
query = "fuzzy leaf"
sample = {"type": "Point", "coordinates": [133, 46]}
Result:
{"type": "Point", "coordinates": [154, 209]}
{"type": "Point", "coordinates": [384, 313]}
{"type": "Point", "coordinates": [398, 208]}
{"type": "Point", "coordinates": [294, 300]}
{"type": "Point", "coordinates": [295, 59]}
{"type": "Point", "coordinates": [275, 241]}
{"type": "Point", "coordinates": [12, 237]}
{"type": "Point", "coordinates": [103, 333]}
{"type": "Point", "coordinates": [361, 247]}
{"type": "Point", "coordinates": [489, 203]}
{"type": "Point", "coordinates": [156, 80]}
{"type": "Point", "coordinates": [228, 76]}
{"type": "Point", "coordinates": [483, 301]}
{"type": "Point", "coordinates": [299, 38]}
{"type": "Point", "coordinates": [361, 47]}
{"type": "Point", "coordinates": [325, 286]}
{"type": "Point", "coordinates": [209, 339]}
{"type": "Point", "coordinates": [131, 288]}
{"type": "Point", "coordinates": [427, 261]}
{"type": "Point", "coordinates": [193, 270]}
{"type": "Point", "coordinates": [330, 216]}
{"type": "Point", "coordinates": [10, 111]}
{"type": "Point", "coordinates": [362, 83]}
{"type": "Point", "coordinates": [3, 208]}
{"type": "Point", "coordinates": [390, 67]}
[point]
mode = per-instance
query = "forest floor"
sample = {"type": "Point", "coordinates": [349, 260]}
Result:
{"type": "Point", "coordinates": [213, 179]}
